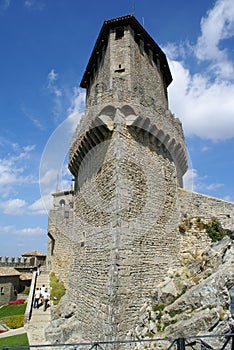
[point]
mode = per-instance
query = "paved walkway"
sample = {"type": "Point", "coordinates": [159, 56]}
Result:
{"type": "Point", "coordinates": [40, 319]}
{"type": "Point", "coordinates": [17, 331]}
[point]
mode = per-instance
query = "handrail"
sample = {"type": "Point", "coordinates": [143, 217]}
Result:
{"type": "Point", "coordinates": [176, 343]}
{"type": "Point", "coordinates": [28, 311]}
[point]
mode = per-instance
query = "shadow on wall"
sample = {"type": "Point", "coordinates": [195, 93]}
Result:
{"type": "Point", "coordinates": [231, 291]}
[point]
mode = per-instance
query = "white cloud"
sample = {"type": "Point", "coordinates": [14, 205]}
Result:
{"type": "Point", "coordinates": [30, 115]}
{"type": "Point", "coordinates": [52, 78]}
{"type": "Point", "coordinates": [214, 186]}
{"type": "Point", "coordinates": [42, 205]}
{"type": "Point", "coordinates": [205, 148]}
{"type": "Point", "coordinates": [13, 169]}
{"type": "Point", "coordinates": [19, 207]}
{"type": "Point", "coordinates": [29, 231]}
{"type": "Point", "coordinates": [14, 206]}
{"type": "Point", "coordinates": [205, 109]}
{"type": "Point", "coordinates": [215, 27]}
{"type": "Point", "coordinates": [203, 100]}
{"type": "Point", "coordinates": [192, 181]}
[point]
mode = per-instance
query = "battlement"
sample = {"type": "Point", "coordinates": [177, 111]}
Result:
{"type": "Point", "coordinates": [17, 262]}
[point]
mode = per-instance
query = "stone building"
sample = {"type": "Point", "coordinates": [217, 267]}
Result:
{"type": "Point", "coordinates": [35, 258]}
{"type": "Point", "coordinates": [115, 237]}
{"type": "Point", "coordinates": [9, 284]}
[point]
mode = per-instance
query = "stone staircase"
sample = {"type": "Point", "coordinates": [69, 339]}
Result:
{"type": "Point", "coordinates": [35, 328]}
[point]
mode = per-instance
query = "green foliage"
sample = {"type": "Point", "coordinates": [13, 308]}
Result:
{"type": "Point", "coordinates": [178, 295]}
{"type": "Point", "coordinates": [159, 327]}
{"type": "Point", "coordinates": [215, 230]}
{"type": "Point", "coordinates": [172, 313]}
{"type": "Point", "coordinates": [57, 289]}
{"type": "Point", "coordinates": [14, 322]}
{"type": "Point", "coordinates": [11, 310]}
{"type": "Point", "coordinates": [26, 291]}
{"type": "Point", "coordinates": [16, 340]}
{"type": "Point", "coordinates": [13, 315]}
{"type": "Point", "coordinates": [166, 324]}
{"type": "Point", "coordinates": [149, 335]}
{"type": "Point", "coordinates": [158, 307]}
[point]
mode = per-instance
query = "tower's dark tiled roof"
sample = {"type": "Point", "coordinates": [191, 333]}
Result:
{"type": "Point", "coordinates": [137, 27]}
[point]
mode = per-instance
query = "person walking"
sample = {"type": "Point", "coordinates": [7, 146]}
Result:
{"type": "Point", "coordinates": [37, 297]}
{"type": "Point", "coordinates": [46, 298]}
{"type": "Point", "coordinates": [38, 269]}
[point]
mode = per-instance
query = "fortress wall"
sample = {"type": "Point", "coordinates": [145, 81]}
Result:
{"type": "Point", "coordinates": [60, 248]}
{"type": "Point", "coordinates": [199, 205]}
{"type": "Point", "coordinates": [204, 208]}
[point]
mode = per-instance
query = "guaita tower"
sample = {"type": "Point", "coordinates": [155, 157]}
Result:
{"type": "Point", "coordinates": [127, 157]}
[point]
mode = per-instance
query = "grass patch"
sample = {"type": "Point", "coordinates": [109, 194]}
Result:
{"type": "Point", "coordinates": [13, 315]}
{"type": "Point", "coordinates": [15, 340]}
{"type": "Point", "coordinates": [12, 310]}
{"type": "Point", "coordinates": [57, 289]}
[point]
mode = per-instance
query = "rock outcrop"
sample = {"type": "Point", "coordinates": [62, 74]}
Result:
{"type": "Point", "coordinates": [194, 300]}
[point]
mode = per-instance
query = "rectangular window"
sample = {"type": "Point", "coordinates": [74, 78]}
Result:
{"type": "Point", "coordinates": [119, 33]}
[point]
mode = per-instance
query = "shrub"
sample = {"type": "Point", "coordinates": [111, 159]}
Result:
{"type": "Point", "coordinates": [158, 307]}
{"type": "Point", "coordinates": [26, 291]}
{"type": "Point", "coordinates": [16, 321]}
{"type": "Point", "coordinates": [214, 230]}
{"type": "Point", "coordinates": [57, 289]}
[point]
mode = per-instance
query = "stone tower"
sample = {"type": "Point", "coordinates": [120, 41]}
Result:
{"type": "Point", "coordinates": [128, 155]}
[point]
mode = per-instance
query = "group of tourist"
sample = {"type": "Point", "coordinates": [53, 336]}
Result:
{"type": "Point", "coordinates": [41, 297]}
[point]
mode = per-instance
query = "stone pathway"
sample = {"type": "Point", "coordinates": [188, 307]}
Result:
{"type": "Point", "coordinates": [40, 319]}
{"type": "Point", "coordinates": [17, 331]}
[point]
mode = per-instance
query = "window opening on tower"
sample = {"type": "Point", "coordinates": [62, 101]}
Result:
{"type": "Point", "coordinates": [119, 33]}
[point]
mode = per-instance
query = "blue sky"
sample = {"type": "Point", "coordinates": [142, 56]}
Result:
{"type": "Point", "coordinates": [45, 46]}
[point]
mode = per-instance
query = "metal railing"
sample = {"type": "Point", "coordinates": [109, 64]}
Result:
{"type": "Point", "coordinates": [28, 311]}
{"type": "Point", "coordinates": [204, 342]}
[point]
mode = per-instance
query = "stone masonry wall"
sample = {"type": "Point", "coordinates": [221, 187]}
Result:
{"type": "Point", "coordinates": [125, 218]}
{"type": "Point", "coordinates": [59, 255]}
{"type": "Point", "coordinates": [7, 285]}
{"type": "Point", "coordinates": [196, 208]}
